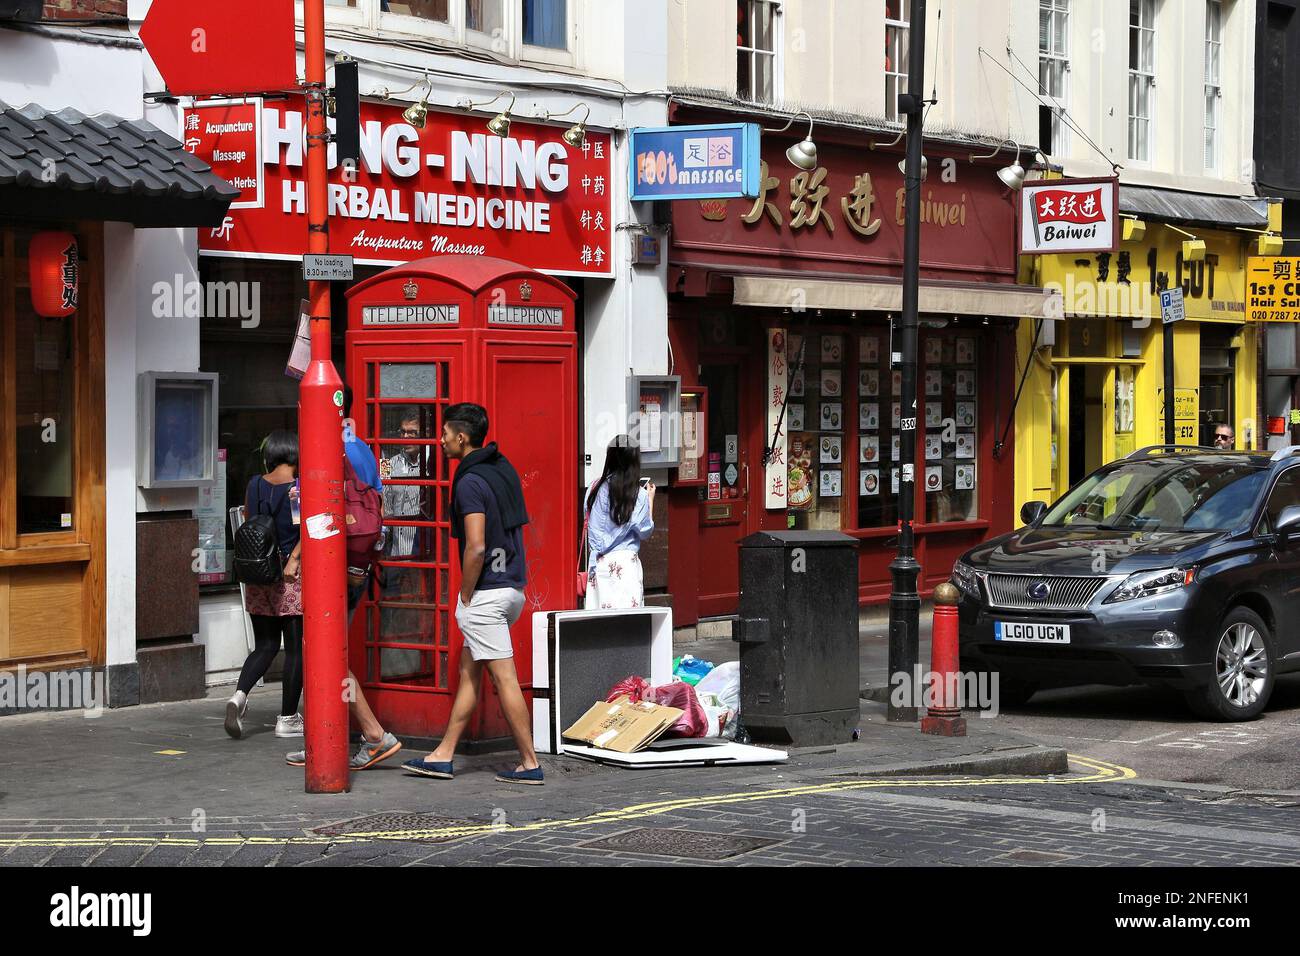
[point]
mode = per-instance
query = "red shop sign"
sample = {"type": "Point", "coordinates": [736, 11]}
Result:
{"type": "Point", "coordinates": [450, 189]}
{"type": "Point", "coordinates": [847, 214]}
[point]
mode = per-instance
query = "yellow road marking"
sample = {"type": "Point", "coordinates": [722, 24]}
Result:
{"type": "Point", "coordinates": [1101, 772]}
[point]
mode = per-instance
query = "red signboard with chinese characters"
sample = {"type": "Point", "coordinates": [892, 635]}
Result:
{"type": "Point", "coordinates": [451, 188]}
{"type": "Point", "coordinates": [846, 216]}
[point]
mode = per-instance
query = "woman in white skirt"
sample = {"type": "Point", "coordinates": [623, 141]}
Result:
{"type": "Point", "coordinates": [619, 517]}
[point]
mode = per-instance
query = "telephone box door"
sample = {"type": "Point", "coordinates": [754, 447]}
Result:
{"type": "Point", "coordinates": [401, 646]}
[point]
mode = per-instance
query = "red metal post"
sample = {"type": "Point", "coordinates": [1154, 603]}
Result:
{"type": "Point", "coordinates": [944, 718]}
{"type": "Point", "coordinates": [320, 468]}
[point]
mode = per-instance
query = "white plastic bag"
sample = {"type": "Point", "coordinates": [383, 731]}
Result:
{"type": "Point", "coordinates": [719, 714]}
{"type": "Point", "coordinates": [723, 683]}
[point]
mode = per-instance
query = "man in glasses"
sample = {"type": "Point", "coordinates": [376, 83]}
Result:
{"type": "Point", "coordinates": [1225, 439]}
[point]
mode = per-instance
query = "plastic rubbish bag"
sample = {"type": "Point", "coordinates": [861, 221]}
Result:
{"type": "Point", "coordinates": [719, 714]}
{"type": "Point", "coordinates": [723, 682]}
{"type": "Point", "coordinates": [691, 669]}
{"type": "Point", "coordinates": [632, 687]}
{"type": "Point", "coordinates": [693, 722]}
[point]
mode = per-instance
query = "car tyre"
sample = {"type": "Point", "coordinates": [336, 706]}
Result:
{"type": "Point", "coordinates": [1244, 665]}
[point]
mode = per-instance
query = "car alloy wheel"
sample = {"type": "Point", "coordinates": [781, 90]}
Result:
{"type": "Point", "coordinates": [1241, 669]}
{"type": "Point", "coordinates": [1241, 665]}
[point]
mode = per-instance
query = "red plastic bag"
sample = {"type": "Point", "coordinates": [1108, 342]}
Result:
{"type": "Point", "coordinates": [634, 688]}
{"type": "Point", "coordinates": [693, 722]}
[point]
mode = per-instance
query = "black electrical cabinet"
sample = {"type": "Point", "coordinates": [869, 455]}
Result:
{"type": "Point", "coordinates": [798, 634]}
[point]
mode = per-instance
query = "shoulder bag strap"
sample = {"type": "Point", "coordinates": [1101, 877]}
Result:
{"type": "Point", "coordinates": [586, 520]}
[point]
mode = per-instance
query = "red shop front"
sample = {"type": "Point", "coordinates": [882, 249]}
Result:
{"type": "Point", "coordinates": [789, 301]}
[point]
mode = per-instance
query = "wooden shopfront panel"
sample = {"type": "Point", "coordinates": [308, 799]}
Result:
{"type": "Point", "coordinates": [51, 463]}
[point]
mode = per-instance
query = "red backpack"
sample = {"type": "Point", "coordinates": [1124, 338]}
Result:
{"type": "Point", "coordinates": [363, 510]}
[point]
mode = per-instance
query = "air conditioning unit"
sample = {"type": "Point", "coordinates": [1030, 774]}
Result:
{"type": "Point", "coordinates": [21, 9]}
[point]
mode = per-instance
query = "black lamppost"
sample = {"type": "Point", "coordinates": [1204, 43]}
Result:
{"type": "Point", "coordinates": [904, 602]}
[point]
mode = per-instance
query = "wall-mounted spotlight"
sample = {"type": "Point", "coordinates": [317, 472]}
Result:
{"type": "Point", "coordinates": [576, 134]}
{"type": "Point", "coordinates": [417, 113]}
{"type": "Point", "coordinates": [498, 125]}
{"type": "Point", "coordinates": [1013, 176]}
{"type": "Point", "coordinates": [925, 167]}
{"type": "Point", "coordinates": [804, 153]}
{"type": "Point", "coordinates": [1133, 229]}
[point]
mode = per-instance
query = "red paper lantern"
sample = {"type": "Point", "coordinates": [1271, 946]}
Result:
{"type": "Point", "coordinates": [55, 273]}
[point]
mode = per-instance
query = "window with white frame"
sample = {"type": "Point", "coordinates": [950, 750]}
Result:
{"type": "Point", "coordinates": [1141, 77]}
{"type": "Point", "coordinates": [545, 23]}
{"type": "Point", "coordinates": [537, 30]}
{"type": "Point", "coordinates": [756, 50]}
{"type": "Point", "coordinates": [435, 11]}
{"type": "Point", "coordinates": [898, 17]}
{"type": "Point", "coordinates": [1213, 86]}
{"type": "Point", "coordinates": [1054, 64]}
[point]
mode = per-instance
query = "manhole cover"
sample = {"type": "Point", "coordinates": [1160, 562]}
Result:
{"type": "Point", "coordinates": [421, 827]}
{"type": "Point", "coordinates": [689, 844]}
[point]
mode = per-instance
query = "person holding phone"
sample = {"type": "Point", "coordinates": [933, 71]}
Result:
{"type": "Point", "coordinates": [620, 515]}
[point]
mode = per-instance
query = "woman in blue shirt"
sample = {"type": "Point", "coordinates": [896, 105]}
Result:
{"type": "Point", "coordinates": [619, 517]}
{"type": "Point", "coordinates": [275, 609]}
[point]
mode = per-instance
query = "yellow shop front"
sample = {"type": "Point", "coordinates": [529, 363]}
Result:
{"type": "Point", "coordinates": [1093, 378]}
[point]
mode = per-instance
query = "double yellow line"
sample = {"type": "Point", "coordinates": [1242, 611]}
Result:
{"type": "Point", "coordinates": [1098, 772]}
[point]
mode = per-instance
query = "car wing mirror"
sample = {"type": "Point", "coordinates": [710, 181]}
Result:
{"type": "Point", "coordinates": [1031, 512]}
{"type": "Point", "coordinates": [1288, 523]}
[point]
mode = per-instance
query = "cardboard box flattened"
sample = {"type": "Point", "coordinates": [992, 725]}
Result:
{"type": "Point", "coordinates": [622, 726]}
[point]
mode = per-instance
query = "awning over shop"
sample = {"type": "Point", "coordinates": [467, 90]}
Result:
{"type": "Point", "coordinates": [67, 165]}
{"type": "Point", "coordinates": [886, 295]}
{"type": "Point", "coordinates": [1171, 205]}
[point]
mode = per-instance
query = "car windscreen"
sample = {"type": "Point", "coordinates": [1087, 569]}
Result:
{"type": "Point", "coordinates": [1161, 495]}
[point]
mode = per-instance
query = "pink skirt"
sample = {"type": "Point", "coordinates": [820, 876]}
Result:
{"type": "Point", "coordinates": [283, 599]}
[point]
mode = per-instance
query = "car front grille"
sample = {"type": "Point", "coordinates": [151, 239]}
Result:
{"type": "Point", "coordinates": [1064, 594]}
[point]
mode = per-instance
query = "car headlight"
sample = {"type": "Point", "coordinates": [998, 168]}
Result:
{"type": "Point", "coordinates": [1142, 584]}
{"type": "Point", "coordinates": [966, 578]}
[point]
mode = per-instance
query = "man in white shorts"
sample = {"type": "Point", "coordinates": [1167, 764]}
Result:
{"type": "Point", "coordinates": [487, 520]}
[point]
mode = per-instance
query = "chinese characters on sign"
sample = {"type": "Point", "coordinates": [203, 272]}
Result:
{"type": "Point", "coordinates": [1069, 215]}
{"type": "Point", "coordinates": [774, 478]}
{"type": "Point", "coordinates": [695, 162]}
{"type": "Point", "coordinates": [809, 191]}
{"type": "Point", "coordinates": [1272, 289]}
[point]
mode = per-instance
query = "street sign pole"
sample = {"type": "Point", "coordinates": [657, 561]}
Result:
{"type": "Point", "coordinates": [1171, 433]}
{"type": "Point", "coordinates": [904, 602]}
{"type": "Point", "coordinates": [1171, 311]}
{"type": "Point", "coordinates": [320, 469]}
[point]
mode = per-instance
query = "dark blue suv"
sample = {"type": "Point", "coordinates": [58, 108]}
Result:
{"type": "Point", "coordinates": [1175, 566]}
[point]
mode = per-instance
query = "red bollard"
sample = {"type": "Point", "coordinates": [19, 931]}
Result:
{"type": "Point", "coordinates": [945, 717]}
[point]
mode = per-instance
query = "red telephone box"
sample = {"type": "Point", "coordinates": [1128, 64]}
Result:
{"type": "Point", "coordinates": [423, 336]}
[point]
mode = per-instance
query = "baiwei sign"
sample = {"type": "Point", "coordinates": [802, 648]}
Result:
{"type": "Point", "coordinates": [451, 188]}
{"type": "Point", "coordinates": [1069, 216]}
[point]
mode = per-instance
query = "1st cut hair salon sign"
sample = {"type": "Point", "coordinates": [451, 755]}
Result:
{"type": "Point", "coordinates": [450, 188]}
{"type": "Point", "coordinates": [1069, 216]}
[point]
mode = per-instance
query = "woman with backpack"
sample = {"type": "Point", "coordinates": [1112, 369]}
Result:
{"type": "Point", "coordinates": [267, 551]}
{"type": "Point", "coordinates": [619, 517]}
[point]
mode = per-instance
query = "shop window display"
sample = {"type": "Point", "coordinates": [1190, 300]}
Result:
{"type": "Point", "coordinates": [818, 426]}
{"type": "Point", "coordinates": [949, 385]}
{"type": "Point", "coordinates": [843, 426]}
